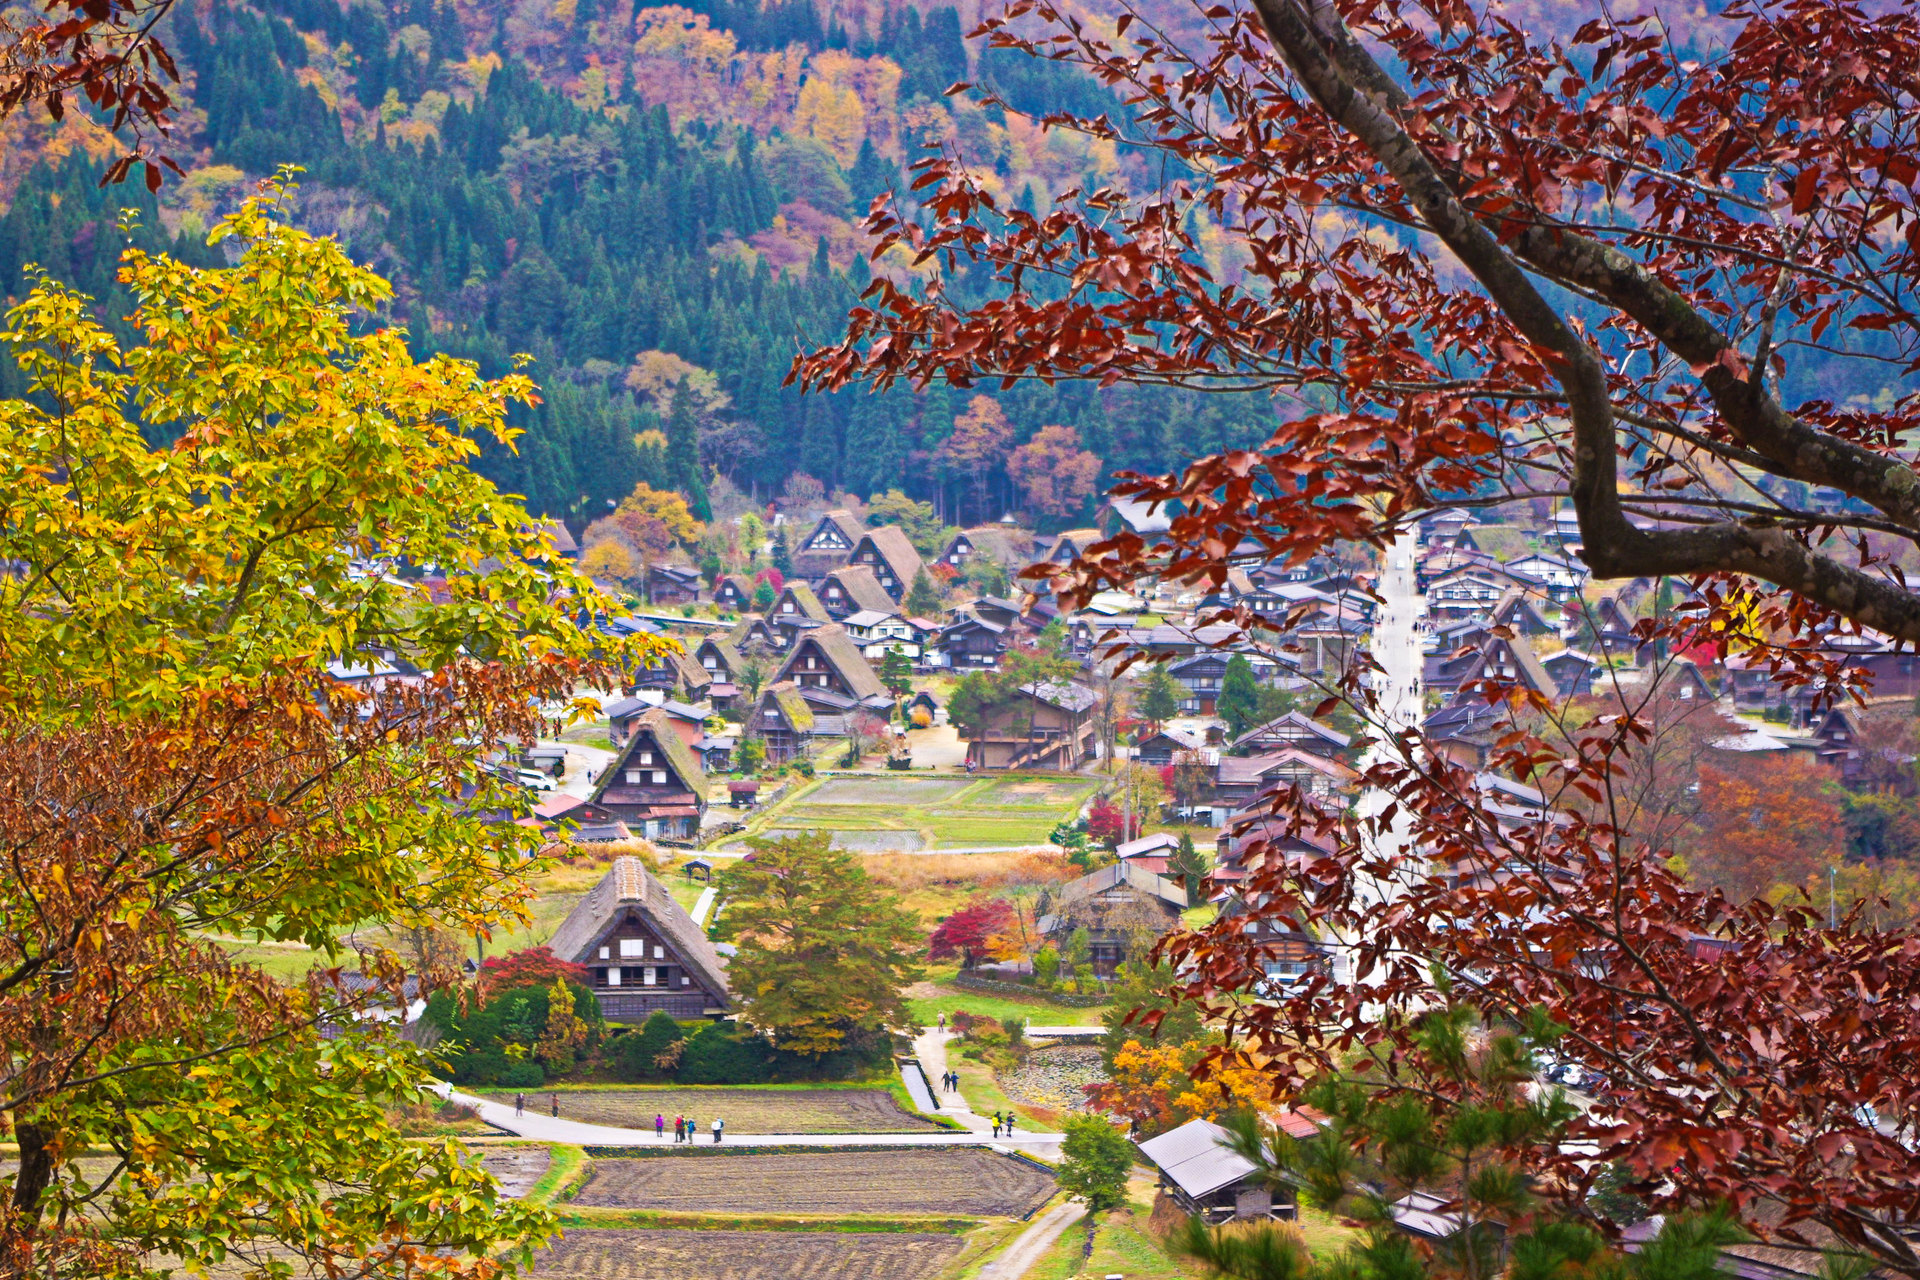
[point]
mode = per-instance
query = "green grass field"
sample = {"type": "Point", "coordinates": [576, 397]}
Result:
{"type": "Point", "coordinates": [927, 1008]}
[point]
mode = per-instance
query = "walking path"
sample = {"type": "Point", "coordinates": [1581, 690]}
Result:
{"type": "Point", "coordinates": [542, 1127]}
{"type": "Point", "coordinates": [1032, 1244]}
{"type": "Point", "coordinates": [703, 904]}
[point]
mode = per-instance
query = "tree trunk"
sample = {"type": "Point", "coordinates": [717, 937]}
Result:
{"type": "Point", "coordinates": [36, 1167]}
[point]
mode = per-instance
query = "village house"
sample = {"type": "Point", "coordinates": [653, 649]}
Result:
{"type": "Point", "coordinates": [1008, 545]}
{"type": "Point", "coordinates": [827, 545]}
{"type": "Point", "coordinates": [783, 720]}
{"type": "Point", "coordinates": [671, 673]}
{"type": "Point", "coordinates": [1573, 672]}
{"type": "Point", "coordinates": [851, 589]}
{"type": "Point", "coordinates": [969, 643]}
{"type": "Point", "coordinates": [643, 951]}
{"type": "Point", "coordinates": [1122, 907]}
{"type": "Point", "coordinates": [1241, 779]}
{"type": "Point", "coordinates": [1070, 545]}
{"type": "Point", "coordinates": [734, 591]}
{"type": "Point", "coordinates": [654, 783]}
{"type": "Point", "coordinates": [876, 633]}
{"type": "Point", "coordinates": [888, 553]}
{"type": "Point", "coordinates": [672, 584]}
{"type": "Point", "coordinates": [826, 658]}
{"type": "Point", "coordinates": [1047, 725]}
{"type": "Point", "coordinates": [1294, 729]}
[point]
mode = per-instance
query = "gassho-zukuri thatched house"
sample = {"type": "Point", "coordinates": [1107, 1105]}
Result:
{"type": "Point", "coordinates": [642, 949]}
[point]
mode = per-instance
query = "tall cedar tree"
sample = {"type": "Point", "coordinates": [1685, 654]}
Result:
{"type": "Point", "coordinates": [1503, 335]}
{"type": "Point", "coordinates": [1157, 698]}
{"type": "Point", "coordinates": [923, 601]}
{"type": "Point", "coordinates": [1189, 867]}
{"type": "Point", "coordinates": [1239, 703]}
{"type": "Point", "coordinates": [823, 953]}
{"type": "Point", "coordinates": [176, 760]}
{"type": "Point", "coordinates": [683, 451]}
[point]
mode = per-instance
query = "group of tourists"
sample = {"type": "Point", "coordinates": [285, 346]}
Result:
{"type": "Point", "coordinates": [685, 1128]}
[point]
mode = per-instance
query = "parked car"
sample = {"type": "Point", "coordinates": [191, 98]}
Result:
{"type": "Point", "coordinates": [533, 779]}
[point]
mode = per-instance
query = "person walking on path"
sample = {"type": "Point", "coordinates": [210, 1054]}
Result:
{"type": "Point", "coordinates": [659, 1125]}
{"type": "Point", "coordinates": [519, 1104]}
{"type": "Point", "coordinates": [943, 1022]}
{"type": "Point", "coordinates": [554, 1098]}
{"type": "Point", "coordinates": [679, 1128]}
{"type": "Point", "coordinates": [719, 1127]}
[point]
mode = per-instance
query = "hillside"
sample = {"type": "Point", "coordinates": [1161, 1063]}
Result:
{"type": "Point", "coordinates": [641, 198]}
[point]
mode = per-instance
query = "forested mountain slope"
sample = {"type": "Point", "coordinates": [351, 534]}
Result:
{"type": "Point", "coordinates": [643, 199]}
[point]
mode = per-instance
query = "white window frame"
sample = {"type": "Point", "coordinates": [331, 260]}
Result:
{"type": "Point", "coordinates": [633, 948]}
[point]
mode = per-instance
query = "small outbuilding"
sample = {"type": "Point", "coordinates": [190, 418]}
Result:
{"type": "Point", "coordinates": [1203, 1176]}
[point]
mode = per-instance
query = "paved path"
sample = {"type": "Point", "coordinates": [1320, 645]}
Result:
{"type": "Point", "coordinates": [542, 1127]}
{"type": "Point", "coordinates": [931, 1049]}
{"type": "Point", "coordinates": [703, 904]}
{"type": "Point", "coordinates": [1032, 1244]}
{"type": "Point", "coordinates": [1065, 1032]}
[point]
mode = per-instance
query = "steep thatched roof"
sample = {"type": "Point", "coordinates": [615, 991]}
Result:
{"type": "Point", "coordinates": [628, 885]}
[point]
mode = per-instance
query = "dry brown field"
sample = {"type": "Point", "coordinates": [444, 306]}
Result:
{"type": "Point", "coordinates": [963, 1180]}
{"type": "Point", "coordinates": [748, 1255]}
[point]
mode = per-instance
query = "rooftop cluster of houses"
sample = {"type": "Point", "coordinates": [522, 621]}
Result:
{"type": "Point", "coordinates": [1511, 603]}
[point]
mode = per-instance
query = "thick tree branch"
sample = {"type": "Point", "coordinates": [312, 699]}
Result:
{"type": "Point", "coordinates": [1352, 88]}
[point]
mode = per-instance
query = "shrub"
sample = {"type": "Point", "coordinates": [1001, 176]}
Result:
{"type": "Point", "coordinates": [522, 1075]}
{"type": "Point", "coordinates": [726, 1054]}
{"type": "Point", "coordinates": [921, 718]}
{"type": "Point", "coordinates": [636, 1053]}
{"type": "Point", "coordinates": [1046, 965]}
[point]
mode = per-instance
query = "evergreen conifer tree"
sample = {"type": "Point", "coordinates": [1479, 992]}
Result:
{"type": "Point", "coordinates": [923, 601]}
{"type": "Point", "coordinates": [683, 451]}
{"type": "Point", "coordinates": [1239, 703]}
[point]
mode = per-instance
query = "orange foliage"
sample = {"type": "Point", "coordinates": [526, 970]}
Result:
{"type": "Point", "coordinates": [1765, 821]}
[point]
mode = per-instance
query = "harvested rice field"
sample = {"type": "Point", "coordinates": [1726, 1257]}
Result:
{"type": "Point", "coordinates": [966, 1180]}
{"type": "Point", "coordinates": [748, 1255]}
{"type": "Point", "coordinates": [754, 1111]}
{"type": "Point", "coordinates": [516, 1168]}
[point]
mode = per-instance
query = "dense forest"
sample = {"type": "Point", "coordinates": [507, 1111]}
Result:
{"type": "Point", "coordinates": [660, 205]}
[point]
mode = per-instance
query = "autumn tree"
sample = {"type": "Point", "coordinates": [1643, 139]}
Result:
{"type": "Point", "coordinates": [978, 929]}
{"type": "Point", "coordinates": [1765, 820]}
{"type": "Point", "coordinates": [823, 954]}
{"type": "Point", "coordinates": [977, 447]}
{"type": "Point", "coordinates": [665, 506]}
{"type": "Point", "coordinates": [918, 520]}
{"type": "Point", "coordinates": [177, 762]}
{"type": "Point", "coordinates": [1055, 473]}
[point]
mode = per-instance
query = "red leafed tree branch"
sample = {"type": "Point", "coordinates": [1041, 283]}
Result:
{"type": "Point", "coordinates": [103, 53]}
{"type": "Point", "coordinates": [1510, 269]}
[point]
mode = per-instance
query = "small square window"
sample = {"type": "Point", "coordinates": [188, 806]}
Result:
{"type": "Point", "coordinates": [659, 952]}
{"type": "Point", "coordinates": [646, 757]}
{"type": "Point", "coordinates": [659, 777]}
{"type": "Point", "coordinates": [632, 948]}
{"type": "Point", "coordinates": [603, 953]}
